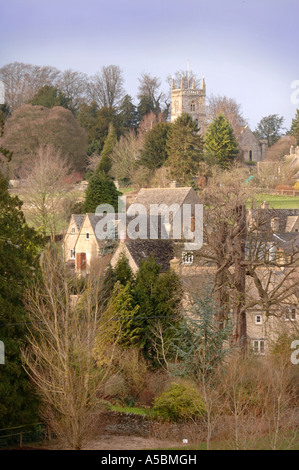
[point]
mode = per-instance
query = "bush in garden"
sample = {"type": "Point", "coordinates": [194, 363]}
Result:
{"type": "Point", "coordinates": [179, 403]}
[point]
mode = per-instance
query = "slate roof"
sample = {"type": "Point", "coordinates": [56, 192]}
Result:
{"type": "Point", "coordinates": [162, 250]}
{"type": "Point", "coordinates": [153, 225]}
{"type": "Point", "coordinates": [78, 218]}
{"type": "Point", "coordinates": [168, 196]}
{"type": "Point", "coordinates": [286, 217]}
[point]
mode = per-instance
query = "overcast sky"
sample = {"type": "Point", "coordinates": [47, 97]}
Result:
{"type": "Point", "coordinates": [246, 49]}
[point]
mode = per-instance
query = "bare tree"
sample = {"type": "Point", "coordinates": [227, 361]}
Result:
{"type": "Point", "coordinates": [59, 359]}
{"type": "Point", "coordinates": [125, 156]}
{"type": "Point", "coordinates": [250, 268]}
{"type": "Point", "coordinates": [46, 186]}
{"type": "Point", "coordinates": [74, 85]}
{"type": "Point", "coordinates": [229, 108]}
{"type": "Point", "coordinates": [106, 86]}
{"type": "Point", "coordinates": [149, 87]}
{"type": "Point", "coordinates": [185, 77]}
{"type": "Point", "coordinates": [22, 81]}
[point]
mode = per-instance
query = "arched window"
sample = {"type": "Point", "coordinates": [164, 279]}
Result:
{"type": "Point", "coordinates": [250, 155]}
{"type": "Point", "coordinates": [176, 106]}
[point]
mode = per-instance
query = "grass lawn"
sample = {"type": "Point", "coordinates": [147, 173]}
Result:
{"type": "Point", "coordinates": [278, 202]}
{"type": "Point", "coordinates": [131, 409]}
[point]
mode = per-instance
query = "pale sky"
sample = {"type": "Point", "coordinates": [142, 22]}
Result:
{"type": "Point", "coordinates": [246, 49]}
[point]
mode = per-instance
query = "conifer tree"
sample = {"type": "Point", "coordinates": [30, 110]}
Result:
{"type": "Point", "coordinates": [221, 147]}
{"type": "Point", "coordinates": [127, 114]}
{"type": "Point", "coordinates": [158, 296]}
{"type": "Point", "coordinates": [105, 162]}
{"type": "Point", "coordinates": [154, 153]}
{"type": "Point", "coordinates": [19, 250]}
{"type": "Point", "coordinates": [295, 127]}
{"type": "Point", "coordinates": [101, 190]}
{"type": "Point", "coordinates": [185, 149]}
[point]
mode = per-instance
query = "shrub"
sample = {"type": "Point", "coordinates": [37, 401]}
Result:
{"type": "Point", "coordinates": [179, 403]}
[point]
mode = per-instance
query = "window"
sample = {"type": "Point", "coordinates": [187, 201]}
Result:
{"type": "Point", "coordinates": [258, 319]}
{"type": "Point", "coordinates": [250, 155]}
{"type": "Point", "coordinates": [187, 258]}
{"type": "Point", "coordinates": [87, 235]}
{"type": "Point", "coordinates": [73, 254]}
{"type": "Point", "coordinates": [192, 106]}
{"type": "Point", "coordinates": [259, 346]}
{"type": "Point", "coordinates": [73, 230]}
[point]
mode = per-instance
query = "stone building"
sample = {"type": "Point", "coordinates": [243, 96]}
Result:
{"type": "Point", "coordinates": [189, 100]}
{"type": "Point", "coordinates": [251, 149]}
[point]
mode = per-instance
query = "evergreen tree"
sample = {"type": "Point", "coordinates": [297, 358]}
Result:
{"type": "Point", "coordinates": [19, 248]}
{"type": "Point", "coordinates": [269, 128]}
{"type": "Point", "coordinates": [154, 153]}
{"type": "Point", "coordinates": [185, 149]}
{"type": "Point", "coordinates": [121, 273]}
{"type": "Point", "coordinates": [145, 106]}
{"type": "Point", "coordinates": [158, 296]}
{"type": "Point", "coordinates": [200, 338]}
{"type": "Point", "coordinates": [49, 96]}
{"type": "Point", "coordinates": [127, 114]}
{"type": "Point", "coordinates": [295, 127]}
{"type": "Point", "coordinates": [105, 162]}
{"type": "Point", "coordinates": [221, 147]}
{"type": "Point", "coordinates": [100, 190]}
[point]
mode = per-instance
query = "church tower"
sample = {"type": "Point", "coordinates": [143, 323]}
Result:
{"type": "Point", "coordinates": [189, 100]}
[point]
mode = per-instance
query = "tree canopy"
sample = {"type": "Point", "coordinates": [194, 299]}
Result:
{"type": "Point", "coordinates": [221, 147]}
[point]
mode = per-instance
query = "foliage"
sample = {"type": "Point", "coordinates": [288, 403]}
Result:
{"type": "Point", "coordinates": [105, 162]}
{"type": "Point", "coordinates": [158, 296]}
{"type": "Point", "coordinates": [185, 149]}
{"type": "Point", "coordinates": [221, 147]}
{"type": "Point", "coordinates": [101, 190]}
{"type": "Point", "coordinates": [116, 324]}
{"type": "Point", "coordinates": [31, 127]}
{"type": "Point", "coordinates": [127, 114]}
{"type": "Point", "coordinates": [50, 96]}
{"type": "Point", "coordinates": [154, 152]}
{"type": "Point", "coordinates": [179, 403]}
{"type": "Point", "coordinates": [295, 127]}
{"type": "Point", "coordinates": [125, 156]}
{"type": "Point", "coordinates": [201, 338]}
{"type": "Point", "coordinates": [19, 252]}
{"type": "Point", "coordinates": [269, 128]}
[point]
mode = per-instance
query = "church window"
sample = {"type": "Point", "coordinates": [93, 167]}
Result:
{"type": "Point", "coordinates": [192, 106]}
{"type": "Point", "coordinates": [250, 155]}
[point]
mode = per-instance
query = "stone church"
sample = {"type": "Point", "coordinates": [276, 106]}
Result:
{"type": "Point", "coordinates": [192, 100]}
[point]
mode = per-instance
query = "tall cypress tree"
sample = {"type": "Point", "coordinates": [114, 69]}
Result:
{"type": "Point", "coordinates": [105, 162]}
{"type": "Point", "coordinates": [221, 147]}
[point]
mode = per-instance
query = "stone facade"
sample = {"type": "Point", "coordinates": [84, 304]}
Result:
{"type": "Point", "coordinates": [252, 149]}
{"type": "Point", "coordinates": [191, 101]}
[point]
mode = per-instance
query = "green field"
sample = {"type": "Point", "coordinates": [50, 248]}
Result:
{"type": "Point", "coordinates": [278, 202]}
